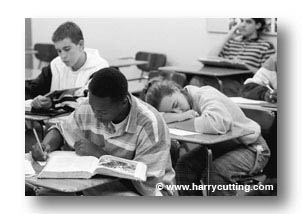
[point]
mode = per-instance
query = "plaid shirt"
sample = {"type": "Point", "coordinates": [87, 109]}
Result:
{"type": "Point", "coordinates": [142, 136]}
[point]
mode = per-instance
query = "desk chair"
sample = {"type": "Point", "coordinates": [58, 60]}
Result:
{"type": "Point", "coordinates": [268, 123]}
{"type": "Point", "coordinates": [176, 150]}
{"type": "Point", "coordinates": [45, 53]}
{"type": "Point", "coordinates": [155, 60]}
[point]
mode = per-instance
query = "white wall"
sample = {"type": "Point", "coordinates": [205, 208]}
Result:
{"type": "Point", "coordinates": [182, 40]}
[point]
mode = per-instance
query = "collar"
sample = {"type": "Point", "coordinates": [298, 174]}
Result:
{"type": "Point", "coordinates": [131, 126]}
{"type": "Point", "coordinates": [243, 39]}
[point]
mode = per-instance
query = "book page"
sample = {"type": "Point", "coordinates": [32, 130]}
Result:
{"type": "Point", "coordinates": [61, 163]}
{"type": "Point", "coordinates": [245, 101]}
{"type": "Point", "coordinates": [242, 100]}
{"type": "Point", "coordinates": [28, 168]}
{"type": "Point", "coordinates": [28, 105]}
{"type": "Point", "coordinates": [222, 62]}
{"type": "Point", "coordinates": [181, 132]}
{"type": "Point", "coordinates": [119, 167]}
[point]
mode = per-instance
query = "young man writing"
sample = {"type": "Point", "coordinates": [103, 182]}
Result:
{"type": "Point", "coordinates": [71, 69]}
{"type": "Point", "coordinates": [116, 123]}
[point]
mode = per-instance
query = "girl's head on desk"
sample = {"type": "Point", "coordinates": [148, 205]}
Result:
{"type": "Point", "coordinates": [167, 96]}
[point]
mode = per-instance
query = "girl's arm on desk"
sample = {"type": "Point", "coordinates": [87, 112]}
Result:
{"type": "Point", "coordinates": [214, 118]}
{"type": "Point", "coordinates": [177, 117]}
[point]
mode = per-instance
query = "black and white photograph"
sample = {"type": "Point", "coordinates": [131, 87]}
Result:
{"type": "Point", "coordinates": [133, 87]}
{"type": "Point", "coordinates": [175, 104]}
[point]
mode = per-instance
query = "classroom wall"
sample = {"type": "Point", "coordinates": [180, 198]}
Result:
{"type": "Point", "coordinates": [183, 40]}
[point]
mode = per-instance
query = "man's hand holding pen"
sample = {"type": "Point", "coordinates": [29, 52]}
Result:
{"type": "Point", "coordinates": [271, 94]}
{"type": "Point", "coordinates": [38, 154]}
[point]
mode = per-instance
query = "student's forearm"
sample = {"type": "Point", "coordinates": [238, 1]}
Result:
{"type": "Point", "coordinates": [53, 140]}
{"type": "Point", "coordinates": [253, 91]}
{"type": "Point", "coordinates": [171, 117]}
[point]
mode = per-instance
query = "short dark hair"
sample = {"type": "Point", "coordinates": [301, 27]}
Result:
{"type": "Point", "coordinates": [68, 30]}
{"type": "Point", "coordinates": [262, 22]}
{"type": "Point", "coordinates": [109, 82]}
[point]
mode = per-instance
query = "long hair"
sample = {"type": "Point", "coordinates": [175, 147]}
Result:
{"type": "Point", "coordinates": [158, 89]}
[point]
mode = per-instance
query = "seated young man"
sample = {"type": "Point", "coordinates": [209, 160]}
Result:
{"type": "Point", "coordinates": [243, 44]}
{"type": "Point", "coordinates": [263, 85]}
{"type": "Point", "coordinates": [114, 122]}
{"type": "Point", "coordinates": [71, 69]}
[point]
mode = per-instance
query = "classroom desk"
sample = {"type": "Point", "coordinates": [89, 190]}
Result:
{"type": "Point", "coordinates": [207, 140]}
{"type": "Point", "coordinates": [33, 73]}
{"type": "Point", "coordinates": [260, 105]}
{"type": "Point", "coordinates": [126, 62]}
{"type": "Point", "coordinates": [66, 185]}
{"type": "Point", "coordinates": [31, 51]}
{"type": "Point", "coordinates": [216, 72]}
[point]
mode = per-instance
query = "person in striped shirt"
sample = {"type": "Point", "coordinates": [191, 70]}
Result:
{"type": "Point", "coordinates": [114, 122]}
{"type": "Point", "coordinates": [242, 44]}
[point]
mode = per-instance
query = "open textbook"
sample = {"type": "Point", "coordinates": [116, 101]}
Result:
{"type": "Point", "coordinates": [58, 97]}
{"type": "Point", "coordinates": [63, 101]}
{"type": "Point", "coordinates": [181, 132]}
{"type": "Point", "coordinates": [222, 62]}
{"type": "Point", "coordinates": [28, 168]}
{"type": "Point", "coordinates": [67, 164]}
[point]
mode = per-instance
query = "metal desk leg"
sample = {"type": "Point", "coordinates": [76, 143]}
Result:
{"type": "Point", "coordinates": [209, 163]}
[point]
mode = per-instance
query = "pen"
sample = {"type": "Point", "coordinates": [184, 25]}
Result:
{"type": "Point", "coordinates": [269, 88]}
{"type": "Point", "coordinates": [38, 141]}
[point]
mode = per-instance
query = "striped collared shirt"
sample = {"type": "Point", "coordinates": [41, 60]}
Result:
{"type": "Point", "coordinates": [142, 136]}
{"type": "Point", "coordinates": [253, 52]}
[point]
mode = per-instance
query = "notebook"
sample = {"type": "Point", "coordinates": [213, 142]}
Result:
{"type": "Point", "coordinates": [64, 101]}
{"type": "Point", "coordinates": [221, 62]}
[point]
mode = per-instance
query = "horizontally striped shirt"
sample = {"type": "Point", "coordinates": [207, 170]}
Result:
{"type": "Point", "coordinates": [143, 136]}
{"type": "Point", "coordinates": [252, 52]}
